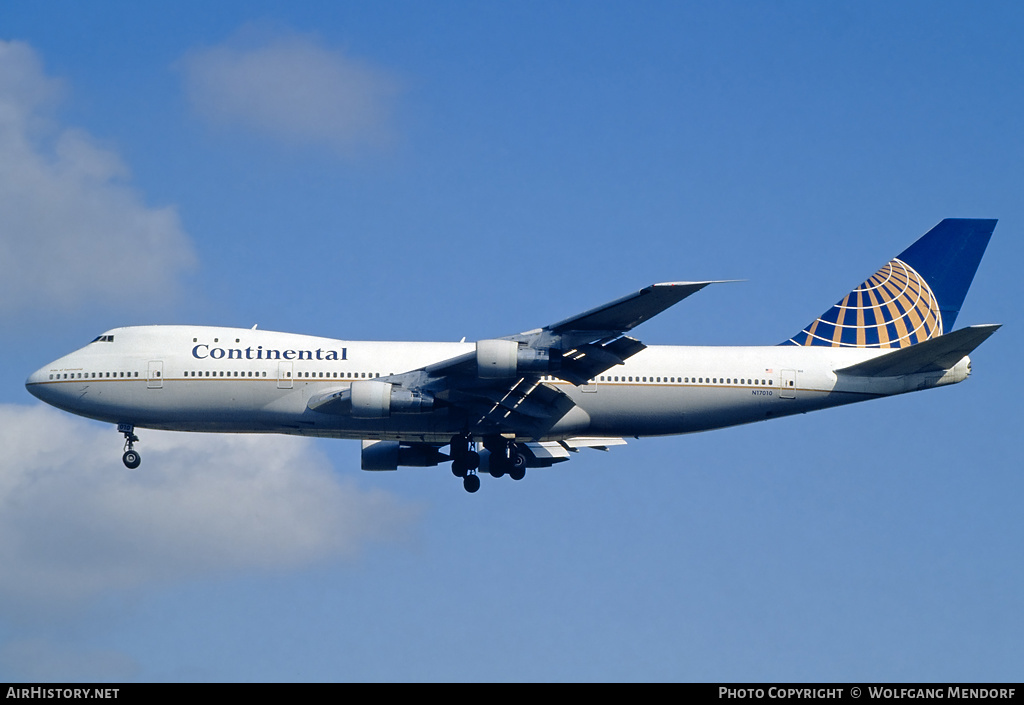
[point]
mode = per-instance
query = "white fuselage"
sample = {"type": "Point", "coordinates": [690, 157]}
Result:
{"type": "Point", "coordinates": [191, 378]}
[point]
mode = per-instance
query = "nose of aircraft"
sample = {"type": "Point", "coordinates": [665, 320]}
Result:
{"type": "Point", "coordinates": [36, 384]}
{"type": "Point", "coordinates": [32, 383]}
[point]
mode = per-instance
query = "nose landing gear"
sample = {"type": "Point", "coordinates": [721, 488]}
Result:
{"type": "Point", "coordinates": [131, 458]}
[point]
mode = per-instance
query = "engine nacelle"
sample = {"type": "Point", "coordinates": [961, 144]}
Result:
{"type": "Point", "coordinates": [372, 399]}
{"type": "Point", "coordinates": [503, 359]}
{"type": "Point", "coordinates": [388, 455]}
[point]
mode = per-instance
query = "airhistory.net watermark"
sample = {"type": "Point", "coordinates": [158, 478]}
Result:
{"type": "Point", "coordinates": [62, 693]}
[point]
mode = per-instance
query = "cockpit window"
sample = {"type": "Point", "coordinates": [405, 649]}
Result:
{"type": "Point", "coordinates": [103, 339]}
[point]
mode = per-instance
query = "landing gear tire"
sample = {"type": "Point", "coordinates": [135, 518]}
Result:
{"type": "Point", "coordinates": [516, 464]}
{"type": "Point", "coordinates": [498, 467]}
{"type": "Point", "coordinates": [516, 460]}
{"type": "Point", "coordinates": [131, 459]}
{"type": "Point", "coordinates": [463, 463]}
{"type": "Point", "coordinates": [471, 483]}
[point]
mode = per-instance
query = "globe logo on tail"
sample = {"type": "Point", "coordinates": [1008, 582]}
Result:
{"type": "Point", "coordinates": [894, 308]}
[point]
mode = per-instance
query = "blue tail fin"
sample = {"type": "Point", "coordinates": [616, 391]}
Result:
{"type": "Point", "coordinates": [912, 298]}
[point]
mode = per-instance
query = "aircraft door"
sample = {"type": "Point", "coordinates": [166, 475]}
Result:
{"type": "Point", "coordinates": [284, 375]}
{"type": "Point", "coordinates": [787, 379]}
{"type": "Point", "coordinates": [155, 375]}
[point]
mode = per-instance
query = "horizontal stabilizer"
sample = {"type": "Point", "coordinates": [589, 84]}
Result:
{"type": "Point", "coordinates": [932, 355]}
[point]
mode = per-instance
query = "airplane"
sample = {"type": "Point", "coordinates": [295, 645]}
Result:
{"type": "Point", "coordinates": [533, 399]}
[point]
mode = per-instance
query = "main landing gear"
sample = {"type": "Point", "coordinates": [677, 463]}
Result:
{"type": "Point", "coordinates": [505, 458]}
{"type": "Point", "coordinates": [131, 458]}
{"type": "Point", "coordinates": [465, 462]}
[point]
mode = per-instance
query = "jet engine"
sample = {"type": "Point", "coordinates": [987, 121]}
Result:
{"type": "Point", "coordinates": [502, 359]}
{"type": "Point", "coordinates": [388, 455]}
{"type": "Point", "coordinates": [372, 399]}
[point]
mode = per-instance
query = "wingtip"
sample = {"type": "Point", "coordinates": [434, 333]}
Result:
{"type": "Point", "coordinates": [700, 283]}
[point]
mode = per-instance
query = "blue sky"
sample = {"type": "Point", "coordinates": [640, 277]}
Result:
{"type": "Point", "coordinates": [439, 170]}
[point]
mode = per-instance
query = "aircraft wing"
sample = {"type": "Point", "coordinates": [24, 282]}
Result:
{"type": "Point", "coordinates": [594, 341]}
{"type": "Point", "coordinates": [499, 386]}
{"type": "Point", "coordinates": [630, 311]}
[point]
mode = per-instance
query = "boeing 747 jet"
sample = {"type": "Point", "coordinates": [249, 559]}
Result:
{"type": "Point", "coordinates": [532, 399]}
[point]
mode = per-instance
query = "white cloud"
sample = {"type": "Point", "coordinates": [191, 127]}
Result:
{"type": "Point", "coordinates": [292, 88]}
{"type": "Point", "coordinates": [71, 228]}
{"type": "Point", "coordinates": [74, 523]}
